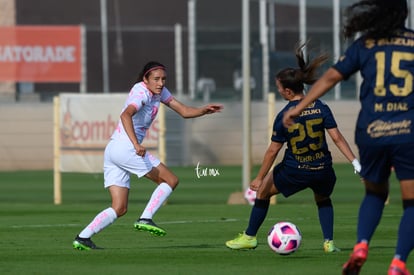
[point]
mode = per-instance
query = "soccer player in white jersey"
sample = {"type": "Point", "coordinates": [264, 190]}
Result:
{"type": "Point", "coordinates": [124, 154]}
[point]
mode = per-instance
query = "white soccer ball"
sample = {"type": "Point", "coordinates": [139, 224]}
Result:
{"type": "Point", "coordinates": [250, 196]}
{"type": "Point", "coordinates": [284, 238]}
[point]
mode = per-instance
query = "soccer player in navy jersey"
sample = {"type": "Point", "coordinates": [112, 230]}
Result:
{"type": "Point", "coordinates": [307, 162]}
{"type": "Point", "coordinates": [384, 55]}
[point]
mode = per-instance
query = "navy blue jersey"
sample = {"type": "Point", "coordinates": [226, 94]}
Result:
{"type": "Point", "coordinates": [386, 93]}
{"type": "Point", "coordinates": [307, 148]}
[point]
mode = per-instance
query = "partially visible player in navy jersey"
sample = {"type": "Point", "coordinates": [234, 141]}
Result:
{"type": "Point", "coordinates": [307, 162]}
{"type": "Point", "coordinates": [384, 55]}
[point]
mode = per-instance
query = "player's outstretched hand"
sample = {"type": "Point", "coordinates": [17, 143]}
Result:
{"type": "Point", "coordinates": [212, 108]}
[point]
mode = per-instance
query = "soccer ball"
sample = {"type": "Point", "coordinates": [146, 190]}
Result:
{"type": "Point", "coordinates": [250, 196]}
{"type": "Point", "coordinates": [284, 238]}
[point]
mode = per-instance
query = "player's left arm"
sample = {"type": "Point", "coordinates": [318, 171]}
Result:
{"type": "Point", "coordinates": [342, 144]}
{"type": "Point", "coordinates": [190, 112]}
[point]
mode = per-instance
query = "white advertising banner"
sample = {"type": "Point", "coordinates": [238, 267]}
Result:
{"type": "Point", "coordinates": [87, 121]}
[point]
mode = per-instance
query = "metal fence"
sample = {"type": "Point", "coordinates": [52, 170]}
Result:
{"type": "Point", "coordinates": [200, 41]}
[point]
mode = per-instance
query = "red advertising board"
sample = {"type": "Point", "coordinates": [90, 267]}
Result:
{"type": "Point", "coordinates": [40, 54]}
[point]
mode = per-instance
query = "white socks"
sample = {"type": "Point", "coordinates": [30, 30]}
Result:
{"type": "Point", "coordinates": [108, 216]}
{"type": "Point", "coordinates": [160, 194]}
{"type": "Point", "coordinates": [102, 220]}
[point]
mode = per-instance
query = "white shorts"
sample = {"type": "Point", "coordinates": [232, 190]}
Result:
{"type": "Point", "coordinates": [121, 160]}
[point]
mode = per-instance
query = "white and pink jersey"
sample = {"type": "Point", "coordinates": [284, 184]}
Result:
{"type": "Point", "coordinates": [147, 105]}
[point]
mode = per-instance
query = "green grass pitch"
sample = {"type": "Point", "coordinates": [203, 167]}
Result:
{"type": "Point", "coordinates": [36, 235]}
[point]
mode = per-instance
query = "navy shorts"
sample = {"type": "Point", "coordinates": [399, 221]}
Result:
{"type": "Point", "coordinates": [289, 180]}
{"type": "Point", "coordinates": [377, 161]}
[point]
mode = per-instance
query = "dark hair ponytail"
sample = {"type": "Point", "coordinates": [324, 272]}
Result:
{"type": "Point", "coordinates": [295, 79]}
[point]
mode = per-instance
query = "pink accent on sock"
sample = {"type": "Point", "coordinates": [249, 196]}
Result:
{"type": "Point", "coordinates": [96, 222]}
{"type": "Point", "coordinates": [155, 201]}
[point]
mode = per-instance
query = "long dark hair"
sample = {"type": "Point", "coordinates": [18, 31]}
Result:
{"type": "Point", "coordinates": [295, 79]}
{"type": "Point", "coordinates": [146, 70]}
{"type": "Point", "coordinates": [375, 18]}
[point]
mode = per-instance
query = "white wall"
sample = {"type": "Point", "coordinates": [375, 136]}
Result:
{"type": "Point", "coordinates": [26, 135]}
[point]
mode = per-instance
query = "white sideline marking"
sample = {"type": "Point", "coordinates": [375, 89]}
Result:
{"type": "Point", "coordinates": [74, 224]}
{"type": "Point", "coordinates": [44, 225]}
{"type": "Point", "coordinates": [199, 221]}
{"type": "Point", "coordinates": [166, 222]}
{"type": "Point", "coordinates": [176, 222]}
